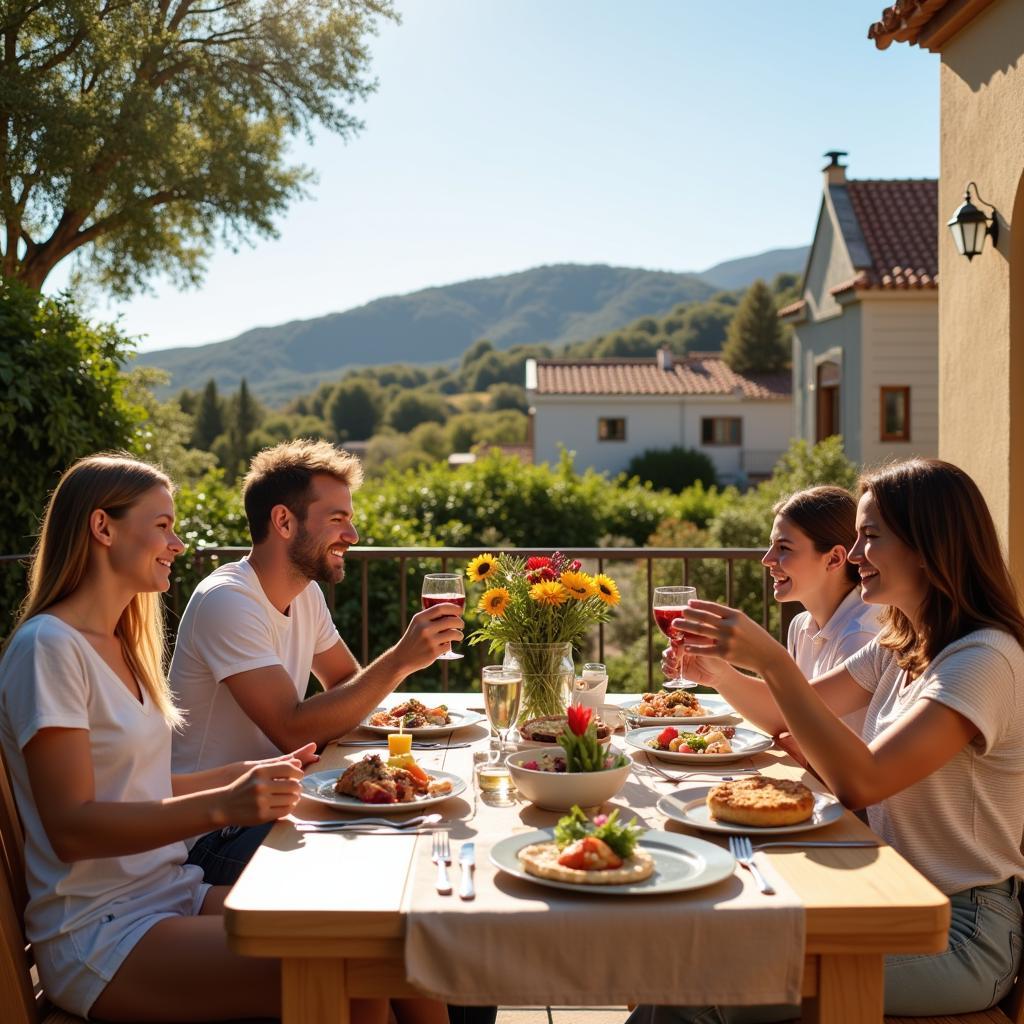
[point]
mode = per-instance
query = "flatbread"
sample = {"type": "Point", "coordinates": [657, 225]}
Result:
{"type": "Point", "coordinates": [541, 859]}
{"type": "Point", "coordinates": [760, 800]}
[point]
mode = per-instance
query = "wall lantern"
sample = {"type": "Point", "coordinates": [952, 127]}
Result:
{"type": "Point", "coordinates": [970, 226]}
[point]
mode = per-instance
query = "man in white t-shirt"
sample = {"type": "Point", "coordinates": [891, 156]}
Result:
{"type": "Point", "coordinates": [255, 629]}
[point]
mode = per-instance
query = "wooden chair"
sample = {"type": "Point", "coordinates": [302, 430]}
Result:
{"type": "Point", "coordinates": [21, 996]}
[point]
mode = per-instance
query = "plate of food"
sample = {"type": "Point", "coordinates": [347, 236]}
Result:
{"type": "Point", "coordinates": [669, 707]}
{"type": "Point", "coordinates": [754, 804]}
{"type": "Point", "coordinates": [547, 730]}
{"type": "Point", "coordinates": [610, 859]}
{"type": "Point", "coordinates": [705, 744]}
{"type": "Point", "coordinates": [419, 719]}
{"type": "Point", "coordinates": [388, 786]}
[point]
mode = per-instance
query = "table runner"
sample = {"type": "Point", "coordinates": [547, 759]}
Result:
{"type": "Point", "coordinates": [519, 943]}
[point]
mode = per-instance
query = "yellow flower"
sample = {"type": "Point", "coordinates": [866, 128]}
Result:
{"type": "Point", "coordinates": [549, 592]}
{"type": "Point", "coordinates": [607, 589]}
{"type": "Point", "coordinates": [579, 584]}
{"type": "Point", "coordinates": [482, 567]}
{"type": "Point", "coordinates": [494, 602]}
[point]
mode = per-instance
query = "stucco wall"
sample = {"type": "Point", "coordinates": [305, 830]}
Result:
{"type": "Point", "coordinates": [571, 421]}
{"type": "Point", "coordinates": [813, 341]}
{"type": "Point", "coordinates": [981, 374]}
{"type": "Point", "coordinates": [829, 265]}
{"type": "Point", "coordinates": [900, 338]}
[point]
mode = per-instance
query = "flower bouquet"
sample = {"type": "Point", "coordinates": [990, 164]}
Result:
{"type": "Point", "coordinates": [536, 610]}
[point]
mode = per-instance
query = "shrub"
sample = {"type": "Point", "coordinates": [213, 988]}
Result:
{"type": "Point", "coordinates": [672, 469]}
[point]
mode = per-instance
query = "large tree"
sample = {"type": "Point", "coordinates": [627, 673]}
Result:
{"type": "Point", "coordinates": [755, 342]}
{"type": "Point", "coordinates": [134, 133]}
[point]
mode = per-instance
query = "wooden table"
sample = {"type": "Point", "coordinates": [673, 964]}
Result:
{"type": "Point", "coordinates": [337, 925]}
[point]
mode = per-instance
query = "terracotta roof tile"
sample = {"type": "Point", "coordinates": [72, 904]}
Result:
{"type": "Point", "coordinates": [794, 307]}
{"type": "Point", "coordinates": [902, 21]}
{"type": "Point", "coordinates": [697, 374]}
{"type": "Point", "coordinates": [900, 224]}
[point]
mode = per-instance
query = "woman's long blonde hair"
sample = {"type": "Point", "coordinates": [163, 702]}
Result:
{"type": "Point", "coordinates": [114, 482]}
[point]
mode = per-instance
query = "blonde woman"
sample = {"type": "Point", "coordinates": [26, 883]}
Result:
{"type": "Point", "coordinates": [122, 928]}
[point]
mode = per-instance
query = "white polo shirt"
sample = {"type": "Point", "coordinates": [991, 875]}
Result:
{"type": "Point", "coordinates": [819, 649]}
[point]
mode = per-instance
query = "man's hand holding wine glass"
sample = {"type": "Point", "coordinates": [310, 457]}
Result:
{"type": "Point", "coordinates": [431, 632]}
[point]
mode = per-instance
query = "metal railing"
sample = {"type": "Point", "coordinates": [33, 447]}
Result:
{"type": "Point", "coordinates": [363, 555]}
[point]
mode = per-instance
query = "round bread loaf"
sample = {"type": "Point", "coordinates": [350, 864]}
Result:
{"type": "Point", "coordinates": [759, 800]}
{"type": "Point", "coordinates": [549, 728]}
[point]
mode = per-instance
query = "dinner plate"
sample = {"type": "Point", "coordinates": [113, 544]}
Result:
{"type": "Point", "coordinates": [689, 808]}
{"type": "Point", "coordinates": [680, 863]}
{"type": "Point", "coordinates": [459, 720]}
{"type": "Point", "coordinates": [319, 786]}
{"type": "Point", "coordinates": [718, 710]}
{"type": "Point", "coordinates": [744, 743]}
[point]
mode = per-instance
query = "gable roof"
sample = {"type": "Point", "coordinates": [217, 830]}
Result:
{"type": "Point", "coordinates": [701, 373]}
{"type": "Point", "coordinates": [894, 242]}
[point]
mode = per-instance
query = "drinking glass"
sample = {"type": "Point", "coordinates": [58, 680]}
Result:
{"type": "Point", "coordinates": [502, 692]}
{"type": "Point", "coordinates": [668, 604]}
{"type": "Point", "coordinates": [444, 588]}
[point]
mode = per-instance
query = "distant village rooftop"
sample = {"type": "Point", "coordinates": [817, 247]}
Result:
{"type": "Point", "coordinates": [700, 373]}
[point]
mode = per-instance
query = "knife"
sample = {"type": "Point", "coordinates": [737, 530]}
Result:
{"type": "Point", "coordinates": [467, 861]}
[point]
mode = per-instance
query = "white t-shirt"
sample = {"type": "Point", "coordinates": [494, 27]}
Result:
{"type": "Point", "coordinates": [230, 626]}
{"type": "Point", "coordinates": [819, 649]}
{"type": "Point", "coordinates": [962, 825]}
{"type": "Point", "coordinates": [51, 677]}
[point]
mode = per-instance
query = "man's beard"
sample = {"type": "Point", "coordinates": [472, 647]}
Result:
{"type": "Point", "coordinates": [312, 562]}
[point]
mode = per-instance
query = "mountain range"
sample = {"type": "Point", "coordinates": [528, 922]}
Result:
{"type": "Point", "coordinates": [549, 304]}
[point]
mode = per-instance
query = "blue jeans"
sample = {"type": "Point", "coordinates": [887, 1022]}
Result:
{"type": "Point", "coordinates": [223, 854]}
{"type": "Point", "coordinates": [974, 972]}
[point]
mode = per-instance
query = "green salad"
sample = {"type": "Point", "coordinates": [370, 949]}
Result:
{"type": "Point", "coordinates": [576, 825]}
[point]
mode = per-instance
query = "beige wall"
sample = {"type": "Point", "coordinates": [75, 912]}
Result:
{"type": "Point", "coordinates": [900, 335]}
{"type": "Point", "coordinates": [981, 368]}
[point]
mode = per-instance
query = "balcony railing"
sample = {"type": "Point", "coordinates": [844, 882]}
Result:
{"type": "Point", "coordinates": [359, 559]}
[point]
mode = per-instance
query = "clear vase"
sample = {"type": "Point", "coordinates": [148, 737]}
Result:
{"type": "Point", "coordinates": [548, 674]}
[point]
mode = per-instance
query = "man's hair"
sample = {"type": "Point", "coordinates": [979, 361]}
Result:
{"type": "Point", "coordinates": [283, 475]}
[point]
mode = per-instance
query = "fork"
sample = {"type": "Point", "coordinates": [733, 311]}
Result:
{"type": "Point", "coordinates": [743, 850]}
{"type": "Point", "coordinates": [675, 779]}
{"type": "Point", "coordinates": [441, 855]}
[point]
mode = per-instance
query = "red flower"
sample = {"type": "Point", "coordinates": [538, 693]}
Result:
{"type": "Point", "coordinates": [575, 565]}
{"type": "Point", "coordinates": [537, 562]}
{"type": "Point", "coordinates": [545, 574]}
{"type": "Point", "coordinates": [579, 718]}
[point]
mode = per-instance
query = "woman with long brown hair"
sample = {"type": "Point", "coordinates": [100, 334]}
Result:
{"type": "Point", "coordinates": [122, 928]}
{"type": "Point", "coordinates": [939, 762]}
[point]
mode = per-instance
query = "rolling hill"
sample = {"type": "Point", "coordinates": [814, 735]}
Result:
{"type": "Point", "coordinates": [550, 304]}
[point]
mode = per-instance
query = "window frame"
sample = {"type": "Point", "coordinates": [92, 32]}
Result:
{"type": "Point", "coordinates": [738, 420]}
{"type": "Point", "coordinates": [883, 392]}
{"type": "Point", "coordinates": [611, 419]}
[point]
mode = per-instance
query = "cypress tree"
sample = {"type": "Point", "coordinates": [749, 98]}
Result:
{"type": "Point", "coordinates": [754, 343]}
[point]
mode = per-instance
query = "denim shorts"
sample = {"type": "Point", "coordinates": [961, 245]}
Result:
{"type": "Point", "coordinates": [974, 972]}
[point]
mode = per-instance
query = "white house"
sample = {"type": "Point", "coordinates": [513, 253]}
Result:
{"type": "Point", "coordinates": [866, 330]}
{"type": "Point", "coordinates": [608, 410]}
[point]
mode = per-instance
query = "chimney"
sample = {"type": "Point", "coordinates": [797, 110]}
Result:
{"type": "Point", "coordinates": [835, 172]}
{"type": "Point", "coordinates": [664, 359]}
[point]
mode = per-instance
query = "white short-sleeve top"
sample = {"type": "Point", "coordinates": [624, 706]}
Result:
{"type": "Point", "coordinates": [230, 626]}
{"type": "Point", "coordinates": [962, 825]}
{"type": "Point", "coordinates": [51, 677]}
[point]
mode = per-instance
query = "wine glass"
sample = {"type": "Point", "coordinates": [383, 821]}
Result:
{"type": "Point", "coordinates": [444, 588]}
{"type": "Point", "coordinates": [668, 604]}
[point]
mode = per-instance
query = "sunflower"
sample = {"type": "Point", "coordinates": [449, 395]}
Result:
{"type": "Point", "coordinates": [481, 568]}
{"type": "Point", "coordinates": [607, 589]}
{"type": "Point", "coordinates": [579, 584]}
{"type": "Point", "coordinates": [494, 602]}
{"type": "Point", "coordinates": [550, 593]}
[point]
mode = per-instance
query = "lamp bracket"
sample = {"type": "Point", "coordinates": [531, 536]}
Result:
{"type": "Point", "coordinates": [992, 229]}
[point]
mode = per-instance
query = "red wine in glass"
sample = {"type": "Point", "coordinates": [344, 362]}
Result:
{"type": "Point", "coordinates": [444, 588]}
{"type": "Point", "coordinates": [669, 604]}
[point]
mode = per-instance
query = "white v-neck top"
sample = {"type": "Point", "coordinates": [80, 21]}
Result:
{"type": "Point", "coordinates": [52, 677]}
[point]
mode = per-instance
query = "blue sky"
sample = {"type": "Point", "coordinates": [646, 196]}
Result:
{"type": "Point", "coordinates": [668, 134]}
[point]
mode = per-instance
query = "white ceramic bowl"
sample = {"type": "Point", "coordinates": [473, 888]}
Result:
{"type": "Point", "coordinates": [558, 791]}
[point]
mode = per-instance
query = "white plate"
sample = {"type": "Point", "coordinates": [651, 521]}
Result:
{"type": "Point", "coordinates": [744, 743]}
{"type": "Point", "coordinates": [680, 863]}
{"type": "Point", "coordinates": [688, 808]}
{"type": "Point", "coordinates": [719, 710]}
{"type": "Point", "coordinates": [459, 719]}
{"type": "Point", "coordinates": [319, 786]}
